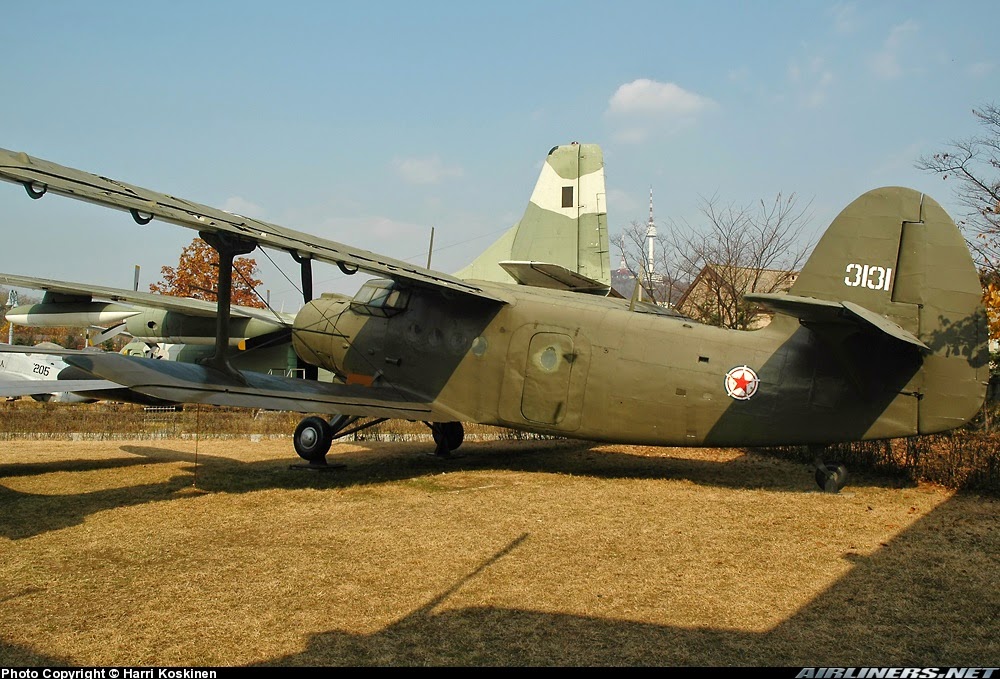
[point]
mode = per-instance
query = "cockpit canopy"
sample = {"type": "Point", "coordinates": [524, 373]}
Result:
{"type": "Point", "coordinates": [380, 297]}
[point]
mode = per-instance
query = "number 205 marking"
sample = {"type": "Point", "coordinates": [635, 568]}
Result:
{"type": "Point", "coordinates": [866, 276]}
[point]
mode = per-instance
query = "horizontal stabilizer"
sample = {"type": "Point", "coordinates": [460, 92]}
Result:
{"type": "Point", "coordinates": [189, 383]}
{"type": "Point", "coordinates": [811, 310]}
{"type": "Point", "coordinates": [552, 276]}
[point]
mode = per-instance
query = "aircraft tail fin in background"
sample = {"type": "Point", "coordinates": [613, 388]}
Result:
{"type": "Point", "coordinates": [894, 264]}
{"type": "Point", "coordinates": [561, 240]}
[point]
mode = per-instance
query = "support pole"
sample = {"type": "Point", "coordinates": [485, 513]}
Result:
{"type": "Point", "coordinates": [309, 371]}
{"type": "Point", "coordinates": [229, 247]}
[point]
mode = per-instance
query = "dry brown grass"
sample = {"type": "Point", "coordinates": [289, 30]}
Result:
{"type": "Point", "coordinates": [214, 552]}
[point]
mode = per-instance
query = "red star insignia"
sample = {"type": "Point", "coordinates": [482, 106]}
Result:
{"type": "Point", "coordinates": [741, 382]}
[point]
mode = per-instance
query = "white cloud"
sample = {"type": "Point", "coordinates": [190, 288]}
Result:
{"type": "Point", "coordinates": [886, 62]}
{"type": "Point", "coordinates": [243, 207]}
{"type": "Point", "coordinates": [372, 230]}
{"type": "Point", "coordinates": [425, 170]}
{"type": "Point", "coordinates": [644, 97]}
{"type": "Point", "coordinates": [631, 135]}
{"type": "Point", "coordinates": [644, 106]}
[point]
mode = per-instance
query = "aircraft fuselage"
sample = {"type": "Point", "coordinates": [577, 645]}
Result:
{"type": "Point", "coordinates": [576, 365]}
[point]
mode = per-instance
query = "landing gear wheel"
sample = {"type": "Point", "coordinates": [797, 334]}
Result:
{"type": "Point", "coordinates": [832, 477]}
{"type": "Point", "coordinates": [448, 436]}
{"type": "Point", "coordinates": [312, 440]}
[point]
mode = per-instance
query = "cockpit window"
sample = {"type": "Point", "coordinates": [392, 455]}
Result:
{"type": "Point", "coordinates": [380, 298]}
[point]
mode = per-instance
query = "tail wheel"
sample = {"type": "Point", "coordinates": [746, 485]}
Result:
{"type": "Point", "coordinates": [312, 439]}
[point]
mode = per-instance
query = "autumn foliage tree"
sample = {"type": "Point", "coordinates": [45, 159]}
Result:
{"type": "Point", "coordinates": [196, 272]}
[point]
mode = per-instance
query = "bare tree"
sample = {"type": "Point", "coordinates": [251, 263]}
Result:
{"type": "Point", "coordinates": [659, 278]}
{"type": "Point", "coordinates": [974, 165]}
{"type": "Point", "coordinates": [705, 269]}
{"type": "Point", "coordinates": [738, 249]}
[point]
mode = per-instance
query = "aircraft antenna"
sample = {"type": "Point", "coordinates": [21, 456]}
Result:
{"type": "Point", "coordinates": [135, 284]}
{"type": "Point", "coordinates": [430, 248]}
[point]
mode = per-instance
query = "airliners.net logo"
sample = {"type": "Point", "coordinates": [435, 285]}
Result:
{"type": "Point", "coordinates": [897, 673]}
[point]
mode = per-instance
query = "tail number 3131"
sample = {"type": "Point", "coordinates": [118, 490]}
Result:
{"type": "Point", "coordinates": [866, 276]}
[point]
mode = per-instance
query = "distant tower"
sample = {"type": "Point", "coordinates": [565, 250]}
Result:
{"type": "Point", "coordinates": [651, 233]}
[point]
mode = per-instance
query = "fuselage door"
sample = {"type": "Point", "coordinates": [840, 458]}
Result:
{"type": "Point", "coordinates": [547, 376]}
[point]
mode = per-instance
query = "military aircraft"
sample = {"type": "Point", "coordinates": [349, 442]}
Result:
{"type": "Point", "coordinates": [882, 335]}
{"type": "Point", "coordinates": [37, 375]}
{"type": "Point", "coordinates": [162, 326]}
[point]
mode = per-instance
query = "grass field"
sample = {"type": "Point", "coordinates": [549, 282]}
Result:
{"type": "Point", "coordinates": [549, 553]}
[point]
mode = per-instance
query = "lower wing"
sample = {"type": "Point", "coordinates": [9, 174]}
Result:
{"type": "Point", "coordinates": [189, 383]}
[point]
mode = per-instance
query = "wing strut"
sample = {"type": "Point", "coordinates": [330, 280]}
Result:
{"type": "Point", "coordinates": [229, 246]}
{"type": "Point", "coordinates": [309, 371]}
{"type": "Point", "coordinates": [307, 276]}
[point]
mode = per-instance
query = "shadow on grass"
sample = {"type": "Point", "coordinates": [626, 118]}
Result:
{"type": "Point", "coordinates": [26, 514]}
{"type": "Point", "coordinates": [928, 597]}
{"type": "Point", "coordinates": [12, 655]}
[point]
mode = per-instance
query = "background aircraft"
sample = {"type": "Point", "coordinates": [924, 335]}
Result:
{"type": "Point", "coordinates": [37, 375]}
{"type": "Point", "coordinates": [882, 335]}
{"type": "Point", "coordinates": [164, 327]}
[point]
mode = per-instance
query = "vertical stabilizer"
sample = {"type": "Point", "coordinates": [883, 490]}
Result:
{"type": "Point", "coordinates": [896, 254]}
{"type": "Point", "coordinates": [565, 223]}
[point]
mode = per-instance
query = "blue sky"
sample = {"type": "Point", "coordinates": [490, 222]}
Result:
{"type": "Point", "coordinates": [371, 123]}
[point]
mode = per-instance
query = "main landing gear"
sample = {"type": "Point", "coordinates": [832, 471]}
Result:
{"type": "Point", "coordinates": [314, 436]}
{"type": "Point", "coordinates": [448, 436]}
{"type": "Point", "coordinates": [831, 478]}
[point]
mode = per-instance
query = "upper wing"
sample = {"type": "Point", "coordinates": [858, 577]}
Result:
{"type": "Point", "coordinates": [185, 305]}
{"type": "Point", "coordinates": [40, 176]}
